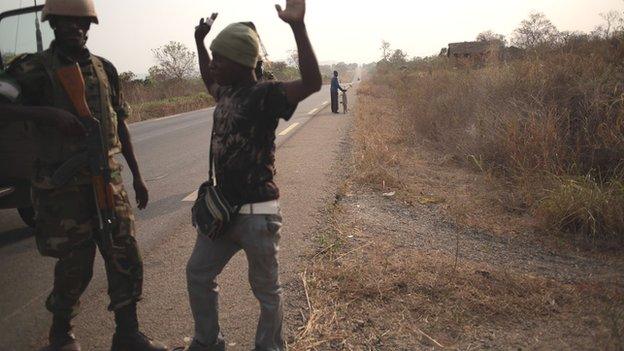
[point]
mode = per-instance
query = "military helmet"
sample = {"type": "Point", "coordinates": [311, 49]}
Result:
{"type": "Point", "coordinates": [74, 8]}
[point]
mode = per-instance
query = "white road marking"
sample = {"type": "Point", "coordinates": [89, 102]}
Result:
{"type": "Point", "coordinates": [191, 198]}
{"type": "Point", "coordinates": [289, 129]}
{"type": "Point", "coordinates": [313, 111]}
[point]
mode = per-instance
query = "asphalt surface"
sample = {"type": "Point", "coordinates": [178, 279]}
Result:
{"type": "Point", "coordinates": [173, 155]}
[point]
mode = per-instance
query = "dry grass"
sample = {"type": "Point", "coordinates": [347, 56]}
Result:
{"type": "Point", "coordinates": [390, 158]}
{"type": "Point", "coordinates": [170, 106]}
{"type": "Point", "coordinates": [534, 123]}
{"type": "Point", "coordinates": [150, 100]}
{"type": "Point", "coordinates": [376, 293]}
{"type": "Point", "coordinates": [367, 288]}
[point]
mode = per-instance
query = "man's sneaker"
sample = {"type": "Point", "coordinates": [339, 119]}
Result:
{"type": "Point", "coordinates": [136, 342]}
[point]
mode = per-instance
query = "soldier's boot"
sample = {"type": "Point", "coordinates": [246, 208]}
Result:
{"type": "Point", "coordinates": [61, 337]}
{"type": "Point", "coordinates": [127, 335]}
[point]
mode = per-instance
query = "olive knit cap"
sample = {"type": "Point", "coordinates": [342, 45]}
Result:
{"type": "Point", "coordinates": [239, 43]}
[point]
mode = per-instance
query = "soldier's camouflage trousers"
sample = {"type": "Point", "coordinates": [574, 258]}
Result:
{"type": "Point", "coordinates": [67, 229]}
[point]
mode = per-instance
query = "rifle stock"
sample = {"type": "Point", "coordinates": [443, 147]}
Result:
{"type": "Point", "coordinates": [73, 83]}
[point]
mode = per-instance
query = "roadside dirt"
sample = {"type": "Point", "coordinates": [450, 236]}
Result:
{"type": "Point", "coordinates": [425, 254]}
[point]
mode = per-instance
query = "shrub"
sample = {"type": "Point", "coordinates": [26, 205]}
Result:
{"type": "Point", "coordinates": [558, 112]}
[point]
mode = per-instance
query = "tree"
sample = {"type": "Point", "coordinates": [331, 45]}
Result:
{"type": "Point", "coordinates": [385, 50]}
{"type": "Point", "coordinates": [175, 61]}
{"type": "Point", "coordinates": [489, 36]}
{"type": "Point", "coordinates": [127, 77]}
{"type": "Point", "coordinates": [156, 74]}
{"type": "Point", "coordinates": [398, 57]}
{"type": "Point", "coordinates": [535, 31]}
{"type": "Point", "coordinates": [613, 21]}
{"type": "Point", "coordinates": [279, 65]}
{"type": "Point", "coordinates": [293, 58]}
{"type": "Point", "coordinates": [283, 71]}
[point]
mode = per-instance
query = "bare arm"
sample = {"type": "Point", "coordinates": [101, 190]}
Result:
{"type": "Point", "coordinates": [201, 31]}
{"type": "Point", "coordinates": [127, 149]}
{"type": "Point", "coordinates": [311, 80]}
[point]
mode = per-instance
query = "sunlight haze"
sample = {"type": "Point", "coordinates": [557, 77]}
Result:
{"type": "Point", "coordinates": [346, 30]}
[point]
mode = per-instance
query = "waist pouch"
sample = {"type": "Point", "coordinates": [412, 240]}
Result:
{"type": "Point", "coordinates": [211, 212]}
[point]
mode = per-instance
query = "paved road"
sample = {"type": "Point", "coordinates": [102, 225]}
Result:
{"type": "Point", "coordinates": [173, 156]}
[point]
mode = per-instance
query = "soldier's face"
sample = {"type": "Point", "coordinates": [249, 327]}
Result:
{"type": "Point", "coordinates": [226, 71]}
{"type": "Point", "coordinates": [71, 32]}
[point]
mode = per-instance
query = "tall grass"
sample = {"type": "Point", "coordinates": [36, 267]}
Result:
{"type": "Point", "coordinates": [153, 99]}
{"type": "Point", "coordinates": [551, 123]}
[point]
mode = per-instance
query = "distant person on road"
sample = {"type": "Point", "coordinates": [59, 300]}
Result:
{"type": "Point", "coordinates": [66, 217]}
{"type": "Point", "coordinates": [345, 103]}
{"type": "Point", "coordinates": [243, 152]}
{"type": "Point", "coordinates": [335, 86]}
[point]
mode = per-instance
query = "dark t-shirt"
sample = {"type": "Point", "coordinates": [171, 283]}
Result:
{"type": "Point", "coordinates": [243, 144]}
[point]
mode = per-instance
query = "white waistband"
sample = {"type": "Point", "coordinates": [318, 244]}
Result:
{"type": "Point", "coordinates": [269, 207]}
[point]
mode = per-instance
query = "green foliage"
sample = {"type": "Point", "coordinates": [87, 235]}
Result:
{"type": "Point", "coordinates": [170, 106]}
{"type": "Point", "coordinates": [283, 71]}
{"type": "Point", "coordinates": [585, 205]}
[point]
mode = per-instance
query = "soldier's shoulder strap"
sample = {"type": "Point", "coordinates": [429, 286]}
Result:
{"type": "Point", "coordinates": [109, 68]}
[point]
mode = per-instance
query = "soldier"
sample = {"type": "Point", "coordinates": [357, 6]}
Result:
{"type": "Point", "coordinates": [66, 215]}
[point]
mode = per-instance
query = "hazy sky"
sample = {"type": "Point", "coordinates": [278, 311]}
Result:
{"type": "Point", "coordinates": [341, 30]}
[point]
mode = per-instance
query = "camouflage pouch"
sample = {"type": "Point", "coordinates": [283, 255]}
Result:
{"type": "Point", "coordinates": [211, 211]}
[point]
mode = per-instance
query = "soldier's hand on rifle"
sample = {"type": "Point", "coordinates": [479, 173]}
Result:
{"type": "Point", "coordinates": [294, 12]}
{"type": "Point", "coordinates": [204, 26]}
{"type": "Point", "coordinates": [141, 193]}
{"type": "Point", "coordinates": [66, 122]}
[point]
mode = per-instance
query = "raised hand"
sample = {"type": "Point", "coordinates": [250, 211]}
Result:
{"type": "Point", "coordinates": [294, 12]}
{"type": "Point", "coordinates": [204, 26]}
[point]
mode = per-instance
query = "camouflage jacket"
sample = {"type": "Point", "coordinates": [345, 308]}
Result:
{"type": "Point", "coordinates": [243, 140]}
{"type": "Point", "coordinates": [35, 74]}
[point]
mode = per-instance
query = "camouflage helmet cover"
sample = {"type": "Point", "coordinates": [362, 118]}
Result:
{"type": "Point", "coordinates": [74, 8]}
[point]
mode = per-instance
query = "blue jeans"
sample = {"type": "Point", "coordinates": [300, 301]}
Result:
{"type": "Point", "coordinates": [258, 235]}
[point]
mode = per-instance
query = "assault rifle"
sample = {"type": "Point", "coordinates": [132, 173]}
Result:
{"type": "Point", "coordinates": [96, 155]}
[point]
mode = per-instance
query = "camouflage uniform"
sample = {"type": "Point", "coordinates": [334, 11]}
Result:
{"type": "Point", "coordinates": [66, 216]}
